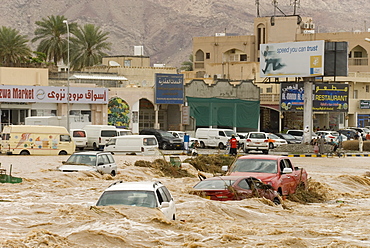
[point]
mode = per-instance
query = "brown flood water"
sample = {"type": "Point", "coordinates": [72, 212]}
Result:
{"type": "Point", "coordinates": [50, 209]}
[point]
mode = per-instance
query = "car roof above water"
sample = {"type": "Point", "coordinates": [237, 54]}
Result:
{"type": "Point", "coordinates": [144, 186]}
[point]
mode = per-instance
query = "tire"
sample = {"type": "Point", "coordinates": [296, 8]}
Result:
{"type": "Point", "coordinates": [329, 155]}
{"type": "Point", "coordinates": [265, 151]}
{"type": "Point", "coordinates": [246, 150]}
{"type": "Point", "coordinates": [81, 148]}
{"type": "Point", "coordinates": [174, 217]}
{"type": "Point", "coordinates": [62, 153]}
{"type": "Point", "coordinates": [113, 173]}
{"type": "Point", "coordinates": [276, 201]}
{"type": "Point", "coordinates": [202, 145]}
{"type": "Point", "coordinates": [164, 146]}
{"type": "Point", "coordinates": [271, 145]}
{"type": "Point", "coordinates": [341, 154]}
{"type": "Point", "coordinates": [221, 146]}
{"type": "Point", "coordinates": [24, 152]}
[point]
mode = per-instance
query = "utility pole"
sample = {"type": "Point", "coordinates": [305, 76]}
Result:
{"type": "Point", "coordinates": [295, 4]}
{"type": "Point", "coordinates": [258, 8]}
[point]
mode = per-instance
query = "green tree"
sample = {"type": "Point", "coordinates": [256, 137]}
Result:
{"type": "Point", "coordinates": [87, 46]}
{"type": "Point", "coordinates": [187, 65]}
{"type": "Point", "coordinates": [52, 33]}
{"type": "Point", "coordinates": [13, 47]}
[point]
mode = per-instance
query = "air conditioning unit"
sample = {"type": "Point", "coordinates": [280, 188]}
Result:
{"type": "Point", "coordinates": [312, 26]}
{"type": "Point", "coordinates": [306, 25]}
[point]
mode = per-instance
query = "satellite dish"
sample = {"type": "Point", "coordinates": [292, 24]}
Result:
{"type": "Point", "coordinates": [113, 63]}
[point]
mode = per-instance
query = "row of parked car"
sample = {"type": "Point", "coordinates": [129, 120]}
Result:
{"type": "Point", "coordinates": [250, 176]}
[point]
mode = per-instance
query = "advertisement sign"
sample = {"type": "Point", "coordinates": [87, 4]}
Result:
{"type": "Point", "coordinates": [330, 97]}
{"type": "Point", "coordinates": [292, 59]}
{"type": "Point", "coordinates": [169, 88]}
{"type": "Point", "coordinates": [326, 97]}
{"type": "Point", "coordinates": [291, 97]}
{"type": "Point", "coordinates": [50, 94]}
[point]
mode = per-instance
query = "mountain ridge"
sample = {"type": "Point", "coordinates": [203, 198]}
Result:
{"type": "Point", "coordinates": [165, 27]}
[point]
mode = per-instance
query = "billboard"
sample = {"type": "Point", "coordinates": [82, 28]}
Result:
{"type": "Point", "coordinates": [169, 88]}
{"type": "Point", "coordinates": [292, 59]}
{"type": "Point", "coordinates": [326, 97]}
{"type": "Point", "coordinates": [51, 94]}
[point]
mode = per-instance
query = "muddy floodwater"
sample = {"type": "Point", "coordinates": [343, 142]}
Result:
{"type": "Point", "coordinates": [50, 209]}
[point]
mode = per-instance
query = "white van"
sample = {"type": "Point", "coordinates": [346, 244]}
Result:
{"type": "Point", "coordinates": [133, 144]}
{"type": "Point", "coordinates": [36, 140]}
{"type": "Point", "coordinates": [99, 135]}
{"type": "Point", "coordinates": [122, 132]}
{"type": "Point", "coordinates": [79, 137]}
{"type": "Point", "coordinates": [214, 137]}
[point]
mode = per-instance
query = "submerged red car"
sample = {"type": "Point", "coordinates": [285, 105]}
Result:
{"type": "Point", "coordinates": [227, 188]}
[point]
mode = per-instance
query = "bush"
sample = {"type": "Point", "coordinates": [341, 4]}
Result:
{"type": "Point", "coordinates": [211, 163]}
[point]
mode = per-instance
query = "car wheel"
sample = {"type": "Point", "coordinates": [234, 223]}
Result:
{"type": "Point", "coordinates": [221, 146]}
{"type": "Point", "coordinates": [246, 150]}
{"type": "Point", "coordinates": [62, 153]}
{"type": "Point", "coordinates": [164, 146]}
{"type": "Point", "coordinates": [113, 173]}
{"type": "Point", "coordinates": [276, 201]}
{"type": "Point", "coordinates": [265, 151]}
{"type": "Point", "coordinates": [24, 152]}
{"type": "Point", "coordinates": [271, 145]}
{"type": "Point", "coordinates": [81, 148]}
{"type": "Point", "coordinates": [174, 217]}
{"type": "Point", "coordinates": [202, 145]}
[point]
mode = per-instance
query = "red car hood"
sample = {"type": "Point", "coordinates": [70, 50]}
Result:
{"type": "Point", "coordinates": [264, 177]}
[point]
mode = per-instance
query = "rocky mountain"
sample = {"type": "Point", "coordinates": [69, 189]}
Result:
{"type": "Point", "coordinates": [165, 27]}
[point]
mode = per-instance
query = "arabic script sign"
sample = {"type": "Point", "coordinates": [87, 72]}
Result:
{"type": "Point", "coordinates": [49, 94]}
{"type": "Point", "coordinates": [169, 88]}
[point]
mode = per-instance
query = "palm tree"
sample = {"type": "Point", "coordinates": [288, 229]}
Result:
{"type": "Point", "coordinates": [88, 45]}
{"type": "Point", "coordinates": [52, 35]}
{"type": "Point", "coordinates": [13, 47]}
{"type": "Point", "coordinates": [187, 65]}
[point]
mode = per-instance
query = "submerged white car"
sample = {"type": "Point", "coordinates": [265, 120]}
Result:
{"type": "Point", "coordinates": [102, 162]}
{"type": "Point", "coordinates": [142, 194]}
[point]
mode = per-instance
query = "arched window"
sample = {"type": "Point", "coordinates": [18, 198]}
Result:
{"type": "Point", "coordinates": [199, 55]}
{"type": "Point", "coordinates": [358, 56]}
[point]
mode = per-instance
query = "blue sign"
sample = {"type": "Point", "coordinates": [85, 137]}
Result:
{"type": "Point", "coordinates": [169, 88]}
{"type": "Point", "coordinates": [292, 97]}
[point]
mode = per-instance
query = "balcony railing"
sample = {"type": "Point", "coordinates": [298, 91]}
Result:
{"type": "Point", "coordinates": [269, 98]}
{"type": "Point", "coordinates": [358, 61]}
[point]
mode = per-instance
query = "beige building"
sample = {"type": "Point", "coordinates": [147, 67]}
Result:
{"type": "Point", "coordinates": [236, 58]}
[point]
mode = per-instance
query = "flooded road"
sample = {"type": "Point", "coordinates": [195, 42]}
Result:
{"type": "Point", "coordinates": [50, 209]}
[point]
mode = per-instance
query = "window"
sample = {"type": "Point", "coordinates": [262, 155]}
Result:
{"type": "Point", "coordinates": [103, 159]}
{"type": "Point", "coordinates": [81, 115]}
{"type": "Point", "coordinates": [208, 55]}
{"type": "Point", "coordinates": [244, 184]}
{"type": "Point", "coordinates": [127, 63]}
{"type": "Point", "coordinates": [65, 137]}
{"type": "Point", "coordinates": [221, 133]}
{"type": "Point", "coordinates": [269, 90]}
{"type": "Point", "coordinates": [355, 94]}
{"type": "Point", "coordinates": [367, 88]}
{"type": "Point", "coordinates": [243, 57]}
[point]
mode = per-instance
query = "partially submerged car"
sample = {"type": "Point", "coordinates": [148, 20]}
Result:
{"type": "Point", "coordinates": [141, 194]}
{"type": "Point", "coordinates": [102, 162]}
{"type": "Point", "coordinates": [227, 188]}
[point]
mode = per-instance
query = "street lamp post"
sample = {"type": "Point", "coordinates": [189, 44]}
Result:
{"type": "Point", "coordinates": [66, 22]}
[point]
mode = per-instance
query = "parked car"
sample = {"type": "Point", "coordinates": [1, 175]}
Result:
{"type": "Point", "coordinates": [277, 171]}
{"type": "Point", "coordinates": [298, 134]}
{"type": "Point", "coordinates": [275, 141]}
{"type": "Point", "coordinates": [257, 141]}
{"type": "Point", "coordinates": [349, 133]}
{"type": "Point", "coordinates": [133, 144]}
{"type": "Point", "coordinates": [102, 162]}
{"type": "Point", "coordinates": [331, 135]}
{"type": "Point", "coordinates": [180, 135]}
{"type": "Point", "coordinates": [214, 137]}
{"type": "Point", "coordinates": [290, 139]}
{"type": "Point", "coordinates": [141, 194]}
{"type": "Point", "coordinates": [165, 139]}
{"type": "Point", "coordinates": [226, 188]}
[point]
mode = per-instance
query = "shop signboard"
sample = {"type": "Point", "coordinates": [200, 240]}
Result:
{"type": "Point", "coordinates": [169, 88]}
{"type": "Point", "coordinates": [51, 94]}
{"type": "Point", "coordinates": [364, 104]}
{"type": "Point", "coordinates": [326, 97]}
{"type": "Point", "coordinates": [292, 59]}
{"type": "Point", "coordinates": [330, 97]}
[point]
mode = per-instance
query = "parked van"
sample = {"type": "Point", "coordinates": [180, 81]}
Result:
{"type": "Point", "coordinates": [80, 138]}
{"type": "Point", "coordinates": [164, 138]}
{"type": "Point", "coordinates": [99, 135]}
{"type": "Point", "coordinates": [133, 144]}
{"type": "Point", "coordinates": [36, 140]}
{"type": "Point", "coordinates": [122, 132]}
{"type": "Point", "coordinates": [214, 137]}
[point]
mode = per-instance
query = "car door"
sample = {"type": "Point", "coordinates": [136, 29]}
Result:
{"type": "Point", "coordinates": [288, 181]}
{"type": "Point", "coordinates": [104, 165]}
{"type": "Point", "coordinates": [165, 198]}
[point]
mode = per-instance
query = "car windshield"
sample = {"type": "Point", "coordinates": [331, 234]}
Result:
{"type": "Point", "coordinates": [214, 184]}
{"type": "Point", "coordinates": [82, 159]}
{"type": "Point", "coordinates": [255, 165]}
{"type": "Point", "coordinates": [230, 133]}
{"type": "Point", "coordinates": [138, 198]}
{"type": "Point", "coordinates": [167, 134]}
{"type": "Point", "coordinates": [273, 136]}
{"type": "Point", "coordinates": [287, 136]}
{"type": "Point", "coordinates": [108, 133]}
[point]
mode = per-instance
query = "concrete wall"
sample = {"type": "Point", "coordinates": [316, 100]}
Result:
{"type": "Point", "coordinates": [24, 76]}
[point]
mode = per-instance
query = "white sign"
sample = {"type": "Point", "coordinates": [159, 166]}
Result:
{"type": "Point", "coordinates": [292, 59]}
{"type": "Point", "coordinates": [49, 94]}
{"type": "Point", "coordinates": [185, 115]}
